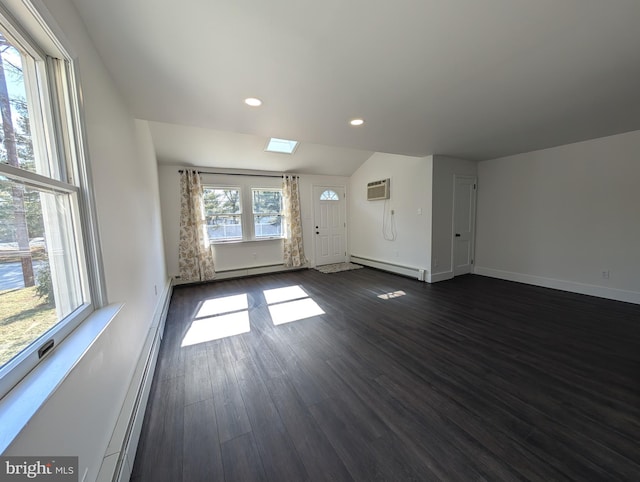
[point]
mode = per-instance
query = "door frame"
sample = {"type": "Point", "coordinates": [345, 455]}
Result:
{"type": "Point", "coordinates": [473, 179]}
{"type": "Point", "coordinates": [340, 188]}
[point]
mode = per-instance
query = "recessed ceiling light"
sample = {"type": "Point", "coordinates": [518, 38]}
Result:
{"type": "Point", "coordinates": [253, 102]}
{"type": "Point", "coordinates": [356, 122]}
{"type": "Point", "coordinates": [283, 146]}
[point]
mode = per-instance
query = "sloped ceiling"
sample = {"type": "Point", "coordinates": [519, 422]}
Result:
{"type": "Point", "coordinates": [476, 79]}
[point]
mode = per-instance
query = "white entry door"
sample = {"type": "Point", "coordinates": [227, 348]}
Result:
{"type": "Point", "coordinates": [329, 224]}
{"type": "Point", "coordinates": [464, 217]}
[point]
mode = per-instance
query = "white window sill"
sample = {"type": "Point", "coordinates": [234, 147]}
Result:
{"type": "Point", "coordinates": [243, 241]}
{"type": "Point", "coordinates": [25, 399]}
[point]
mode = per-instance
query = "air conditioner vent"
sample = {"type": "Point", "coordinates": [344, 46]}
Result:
{"type": "Point", "coordinates": [377, 190]}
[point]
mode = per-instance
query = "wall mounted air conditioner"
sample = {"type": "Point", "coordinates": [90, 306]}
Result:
{"type": "Point", "coordinates": [377, 190]}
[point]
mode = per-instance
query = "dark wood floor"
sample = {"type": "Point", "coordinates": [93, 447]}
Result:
{"type": "Point", "coordinates": [468, 379]}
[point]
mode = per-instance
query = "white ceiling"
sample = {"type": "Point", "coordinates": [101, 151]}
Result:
{"type": "Point", "coordinates": [476, 79]}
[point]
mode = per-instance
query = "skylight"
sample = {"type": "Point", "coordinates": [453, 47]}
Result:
{"type": "Point", "coordinates": [283, 146]}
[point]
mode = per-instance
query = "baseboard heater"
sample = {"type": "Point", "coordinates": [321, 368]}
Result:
{"type": "Point", "coordinates": [242, 272]}
{"type": "Point", "coordinates": [410, 271]}
{"type": "Point", "coordinates": [118, 462]}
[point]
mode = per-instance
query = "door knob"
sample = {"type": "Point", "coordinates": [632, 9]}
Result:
{"type": "Point", "coordinates": [457, 235]}
{"type": "Point", "coordinates": [317, 232]}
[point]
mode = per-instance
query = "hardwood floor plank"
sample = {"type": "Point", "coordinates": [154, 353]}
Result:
{"type": "Point", "coordinates": [354, 450]}
{"type": "Point", "coordinates": [279, 456]}
{"type": "Point", "coordinates": [438, 442]}
{"type": "Point", "coordinates": [197, 377]}
{"type": "Point", "coordinates": [306, 386]}
{"type": "Point", "coordinates": [202, 459]}
{"type": "Point", "coordinates": [241, 460]}
{"type": "Point", "coordinates": [342, 392]}
{"type": "Point", "coordinates": [229, 406]}
{"type": "Point", "coordinates": [162, 456]}
{"type": "Point", "coordinates": [500, 447]}
{"type": "Point", "coordinates": [317, 454]}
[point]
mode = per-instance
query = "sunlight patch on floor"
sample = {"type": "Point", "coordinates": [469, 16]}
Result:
{"type": "Point", "coordinates": [294, 311]}
{"type": "Point", "coordinates": [226, 304]}
{"type": "Point", "coordinates": [393, 294]}
{"type": "Point", "coordinates": [288, 293]}
{"type": "Point", "coordinates": [218, 318]}
{"type": "Point", "coordinates": [291, 303]}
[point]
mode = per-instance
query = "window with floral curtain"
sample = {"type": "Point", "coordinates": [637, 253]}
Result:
{"type": "Point", "coordinates": [195, 254]}
{"type": "Point", "coordinates": [293, 248]}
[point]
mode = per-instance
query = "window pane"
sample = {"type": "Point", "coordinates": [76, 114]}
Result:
{"type": "Point", "coordinates": [267, 209]}
{"type": "Point", "coordinates": [268, 226]}
{"type": "Point", "coordinates": [221, 201]}
{"type": "Point", "coordinates": [329, 195]}
{"type": "Point", "coordinates": [19, 147]}
{"type": "Point", "coordinates": [224, 227]}
{"type": "Point", "coordinates": [267, 201]}
{"type": "Point", "coordinates": [40, 282]}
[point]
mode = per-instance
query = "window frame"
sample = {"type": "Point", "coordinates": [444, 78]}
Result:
{"type": "Point", "coordinates": [246, 184]}
{"type": "Point", "coordinates": [331, 195]}
{"type": "Point", "coordinates": [54, 95]}
{"type": "Point", "coordinates": [240, 213]}
{"type": "Point", "coordinates": [280, 214]}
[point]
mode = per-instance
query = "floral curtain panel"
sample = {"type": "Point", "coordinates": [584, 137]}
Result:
{"type": "Point", "coordinates": [195, 254]}
{"type": "Point", "coordinates": [293, 249]}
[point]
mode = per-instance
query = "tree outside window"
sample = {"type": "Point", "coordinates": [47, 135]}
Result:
{"type": "Point", "coordinates": [267, 213]}
{"type": "Point", "coordinates": [223, 211]}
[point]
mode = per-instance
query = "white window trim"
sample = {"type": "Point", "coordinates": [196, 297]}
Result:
{"type": "Point", "coordinates": [241, 213]}
{"type": "Point", "coordinates": [27, 21]}
{"type": "Point", "coordinates": [254, 214]}
{"type": "Point", "coordinates": [245, 185]}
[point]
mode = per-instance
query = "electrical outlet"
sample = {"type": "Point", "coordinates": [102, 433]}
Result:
{"type": "Point", "coordinates": [393, 211]}
{"type": "Point", "coordinates": [606, 274]}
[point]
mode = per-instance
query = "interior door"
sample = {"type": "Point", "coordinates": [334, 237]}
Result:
{"type": "Point", "coordinates": [464, 214]}
{"type": "Point", "coordinates": [329, 224]}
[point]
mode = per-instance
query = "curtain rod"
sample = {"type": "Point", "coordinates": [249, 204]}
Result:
{"type": "Point", "coordinates": [239, 174]}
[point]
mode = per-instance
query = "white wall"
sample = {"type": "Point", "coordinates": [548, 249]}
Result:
{"type": "Point", "coordinates": [237, 256]}
{"type": "Point", "coordinates": [79, 417]}
{"type": "Point", "coordinates": [444, 171]}
{"type": "Point", "coordinates": [410, 191]}
{"type": "Point", "coordinates": [560, 217]}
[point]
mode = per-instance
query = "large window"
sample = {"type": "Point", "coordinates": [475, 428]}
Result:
{"type": "Point", "coordinates": [227, 221]}
{"type": "Point", "coordinates": [46, 289]}
{"type": "Point", "coordinates": [267, 213]}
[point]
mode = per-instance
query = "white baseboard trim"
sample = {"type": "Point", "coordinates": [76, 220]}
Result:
{"type": "Point", "coordinates": [386, 266]}
{"type": "Point", "coordinates": [120, 454]}
{"type": "Point", "coordinates": [575, 287]}
{"type": "Point", "coordinates": [442, 276]}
